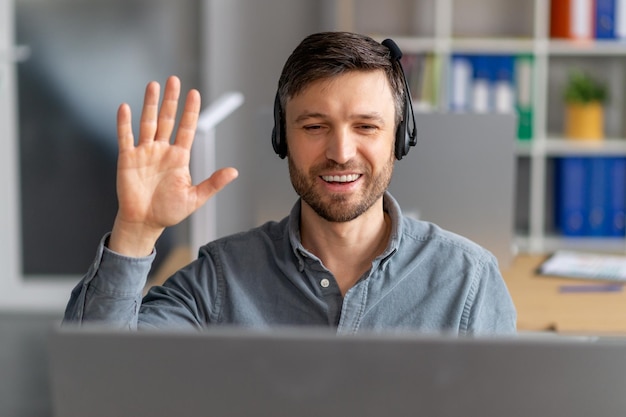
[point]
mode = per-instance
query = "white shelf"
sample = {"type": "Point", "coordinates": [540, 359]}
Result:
{"type": "Point", "coordinates": [563, 147]}
{"type": "Point", "coordinates": [587, 48]}
{"type": "Point", "coordinates": [551, 242]}
{"type": "Point", "coordinates": [492, 45]}
{"type": "Point", "coordinates": [524, 148]}
{"type": "Point", "coordinates": [600, 244]}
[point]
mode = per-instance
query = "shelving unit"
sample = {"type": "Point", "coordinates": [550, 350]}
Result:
{"type": "Point", "coordinates": [446, 27]}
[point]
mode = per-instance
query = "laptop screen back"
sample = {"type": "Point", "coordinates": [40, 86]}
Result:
{"type": "Point", "coordinates": [289, 372]}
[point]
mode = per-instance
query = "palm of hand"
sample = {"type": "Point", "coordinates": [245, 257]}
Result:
{"type": "Point", "coordinates": [154, 184]}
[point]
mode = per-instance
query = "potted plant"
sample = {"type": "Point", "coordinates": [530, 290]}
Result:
{"type": "Point", "coordinates": [584, 112]}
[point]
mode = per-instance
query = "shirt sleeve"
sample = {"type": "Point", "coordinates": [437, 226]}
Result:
{"type": "Point", "coordinates": [111, 290]}
{"type": "Point", "coordinates": [490, 308]}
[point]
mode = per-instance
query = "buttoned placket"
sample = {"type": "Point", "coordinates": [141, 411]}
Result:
{"type": "Point", "coordinates": [326, 285]}
{"type": "Point", "coordinates": [354, 303]}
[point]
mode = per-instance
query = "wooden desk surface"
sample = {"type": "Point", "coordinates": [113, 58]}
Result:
{"type": "Point", "coordinates": [541, 306]}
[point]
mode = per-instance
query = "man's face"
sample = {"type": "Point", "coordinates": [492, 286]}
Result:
{"type": "Point", "coordinates": [340, 137]}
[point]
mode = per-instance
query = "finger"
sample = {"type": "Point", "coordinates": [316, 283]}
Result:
{"type": "Point", "coordinates": [167, 114]}
{"type": "Point", "coordinates": [189, 120]}
{"type": "Point", "coordinates": [148, 124]}
{"type": "Point", "coordinates": [212, 185]}
{"type": "Point", "coordinates": [125, 137]}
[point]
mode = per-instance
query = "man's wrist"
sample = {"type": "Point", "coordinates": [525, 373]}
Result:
{"type": "Point", "coordinates": [134, 241]}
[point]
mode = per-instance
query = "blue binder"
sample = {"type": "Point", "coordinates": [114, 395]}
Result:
{"type": "Point", "coordinates": [605, 19]}
{"type": "Point", "coordinates": [617, 201]}
{"type": "Point", "coordinates": [571, 201]}
{"type": "Point", "coordinates": [599, 189]}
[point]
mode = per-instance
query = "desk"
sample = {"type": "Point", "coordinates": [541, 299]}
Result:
{"type": "Point", "coordinates": [540, 305]}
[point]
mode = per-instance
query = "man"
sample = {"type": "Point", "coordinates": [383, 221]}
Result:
{"type": "Point", "coordinates": [344, 257]}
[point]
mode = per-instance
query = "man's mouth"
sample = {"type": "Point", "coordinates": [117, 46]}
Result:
{"type": "Point", "coordinates": [341, 178]}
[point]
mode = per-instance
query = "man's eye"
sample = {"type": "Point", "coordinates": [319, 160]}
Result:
{"type": "Point", "coordinates": [312, 127]}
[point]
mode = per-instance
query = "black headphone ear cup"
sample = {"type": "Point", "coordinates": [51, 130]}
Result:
{"type": "Point", "coordinates": [279, 142]}
{"type": "Point", "coordinates": [400, 145]}
{"type": "Point", "coordinates": [403, 134]}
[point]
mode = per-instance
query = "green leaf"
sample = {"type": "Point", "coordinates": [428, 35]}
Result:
{"type": "Point", "coordinates": [583, 88]}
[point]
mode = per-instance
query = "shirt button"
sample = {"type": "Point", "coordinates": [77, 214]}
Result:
{"type": "Point", "coordinates": [325, 283]}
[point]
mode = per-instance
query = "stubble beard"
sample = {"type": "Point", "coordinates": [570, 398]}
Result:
{"type": "Point", "coordinates": [338, 207]}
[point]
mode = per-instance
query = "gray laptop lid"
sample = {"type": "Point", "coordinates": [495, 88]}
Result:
{"type": "Point", "coordinates": [461, 176]}
{"type": "Point", "coordinates": [229, 372]}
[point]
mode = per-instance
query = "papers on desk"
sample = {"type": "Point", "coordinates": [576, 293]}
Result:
{"type": "Point", "coordinates": [585, 265]}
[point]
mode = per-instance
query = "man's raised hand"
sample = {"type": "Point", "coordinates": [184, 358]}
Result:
{"type": "Point", "coordinates": [154, 187]}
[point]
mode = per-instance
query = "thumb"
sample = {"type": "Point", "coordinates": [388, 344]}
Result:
{"type": "Point", "coordinates": [212, 185]}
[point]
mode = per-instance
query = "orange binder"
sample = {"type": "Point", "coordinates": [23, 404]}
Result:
{"type": "Point", "coordinates": [572, 19]}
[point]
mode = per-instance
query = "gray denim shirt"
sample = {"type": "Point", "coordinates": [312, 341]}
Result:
{"type": "Point", "coordinates": [427, 279]}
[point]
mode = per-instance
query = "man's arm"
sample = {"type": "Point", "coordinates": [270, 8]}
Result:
{"type": "Point", "coordinates": [154, 191]}
{"type": "Point", "coordinates": [111, 290]}
{"type": "Point", "coordinates": [491, 310]}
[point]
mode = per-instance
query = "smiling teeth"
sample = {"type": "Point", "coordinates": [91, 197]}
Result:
{"type": "Point", "coordinates": [340, 178]}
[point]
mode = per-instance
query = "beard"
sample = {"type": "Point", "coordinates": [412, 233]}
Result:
{"type": "Point", "coordinates": [339, 207]}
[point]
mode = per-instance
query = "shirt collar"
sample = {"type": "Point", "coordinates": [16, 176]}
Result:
{"type": "Point", "coordinates": [390, 206]}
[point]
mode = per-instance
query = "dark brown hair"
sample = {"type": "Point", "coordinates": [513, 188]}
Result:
{"type": "Point", "coordinates": [329, 54]}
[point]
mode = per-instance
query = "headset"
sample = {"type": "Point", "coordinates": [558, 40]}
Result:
{"type": "Point", "coordinates": [406, 134]}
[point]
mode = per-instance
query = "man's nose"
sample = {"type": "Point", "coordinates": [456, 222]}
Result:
{"type": "Point", "coordinates": [341, 146]}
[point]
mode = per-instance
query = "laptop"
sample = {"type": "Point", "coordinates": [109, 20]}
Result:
{"type": "Point", "coordinates": [236, 372]}
{"type": "Point", "coordinates": [461, 175]}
